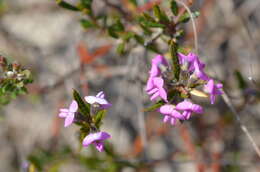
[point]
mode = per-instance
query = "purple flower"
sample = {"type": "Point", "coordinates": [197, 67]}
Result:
{"type": "Point", "coordinates": [187, 61]}
{"type": "Point", "coordinates": [159, 59]}
{"type": "Point", "coordinates": [170, 114]}
{"type": "Point", "coordinates": [97, 139]}
{"type": "Point", "coordinates": [188, 107]}
{"type": "Point", "coordinates": [98, 99]}
{"type": "Point", "coordinates": [69, 114]}
{"type": "Point", "coordinates": [155, 71]}
{"type": "Point", "coordinates": [199, 72]}
{"type": "Point", "coordinates": [213, 90]}
{"type": "Point", "coordinates": [157, 89]}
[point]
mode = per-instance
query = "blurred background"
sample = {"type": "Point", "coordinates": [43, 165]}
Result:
{"type": "Point", "coordinates": [50, 41]}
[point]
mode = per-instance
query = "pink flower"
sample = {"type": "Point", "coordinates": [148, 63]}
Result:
{"type": "Point", "coordinates": [159, 59]}
{"type": "Point", "coordinates": [157, 89]}
{"type": "Point", "coordinates": [170, 114]}
{"type": "Point", "coordinates": [97, 139]}
{"type": "Point", "coordinates": [199, 72]}
{"type": "Point", "coordinates": [69, 114]}
{"type": "Point", "coordinates": [188, 107]}
{"type": "Point", "coordinates": [187, 61]}
{"type": "Point", "coordinates": [213, 90]}
{"type": "Point", "coordinates": [155, 71]}
{"type": "Point", "coordinates": [98, 99]}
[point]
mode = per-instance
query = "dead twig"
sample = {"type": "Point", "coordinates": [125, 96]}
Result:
{"type": "Point", "coordinates": [242, 126]}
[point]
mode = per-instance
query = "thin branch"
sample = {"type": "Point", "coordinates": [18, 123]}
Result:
{"type": "Point", "coordinates": [242, 126]}
{"type": "Point", "coordinates": [193, 25]}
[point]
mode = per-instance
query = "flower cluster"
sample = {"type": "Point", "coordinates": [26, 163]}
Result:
{"type": "Point", "coordinates": [96, 138]}
{"type": "Point", "coordinates": [176, 94]}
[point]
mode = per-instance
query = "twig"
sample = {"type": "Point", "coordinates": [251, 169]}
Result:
{"type": "Point", "coordinates": [242, 126]}
{"type": "Point", "coordinates": [193, 25]}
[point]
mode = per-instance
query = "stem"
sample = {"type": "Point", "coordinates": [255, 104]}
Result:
{"type": "Point", "coordinates": [242, 126]}
{"type": "Point", "coordinates": [175, 59]}
{"type": "Point", "coordinates": [193, 25]}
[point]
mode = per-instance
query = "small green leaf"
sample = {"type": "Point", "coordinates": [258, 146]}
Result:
{"type": "Point", "coordinates": [153, 24]}
{"type": "Point", "coordinates": [134, 2]}
{"type": "Point", "coordinates": [139, 39]}
{"type": "Point", "coordinates": [99, 117]}
{"type": "Point", "coordinates": [84, 108]}
{"type": "Point", "coordinates": [112, 33]}
{"type": "Point", "coordinates": [240, 80]}
{"type": "Point", "coordinates": [66, 5]}
{"type": "Point", "coordinates": [154, 107]}
{"type": "Point", "coordinates": [174, 7]}
{"type": "Point", "coordinates": [160, 15]}
{"type": "Point", "coordinates": [127, 36]}
{"type": "Point", "coordinates": [146, 30]}
{"type": "Point", "coordinates": [87, 24]}
{"type": "Point", "coordinates": [121, 48]}
{"type": "Point", "coordinates": [118, 26]}
{"type": "Point", "coordinates": [86, 4]}
{"type": "Point", "coordinates": [186, 16]}
{"type": "Point", "coordinates": [148, 17]}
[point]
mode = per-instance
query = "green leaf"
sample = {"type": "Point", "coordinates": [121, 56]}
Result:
{"type": "Point", "coordinates": [112, 33]}
{"type": "Point", "coordinates": [127, 36]}
{"type": "Point", "coordinates": [66, 5]}
{"type": "Point", "coordinates": [154, 107]}
{"type": "Point", "coordinates": [146, 30]}
{"type": "Point", "coordinates": [134, 2]}
{"type": "Point", "coordinates": [99, 117]}
{"type": "Point", "coordinates": [240, 80]}
{"type": "Point", "coordinates": [87, 24]}
{"type": "Point", "coordinates": [175, 59]}
{"type": "Point", "coordinates": [186, 16]}
{"type": "Point", "coordinates": [84, 108]}
{"type": "Point", "coordinates": [121, 48]}
{"type": "Point", "coordinates": [174, 7]}
{"type": "Point", "coordinates": [153, 24]}
{"type": "Point", "coordinates": [160, 15]}
{"type": "Point", "coordinates": [86, 4]}
{"type": "Point", "coordinates": [118, 26]}
{"type": "Point", "coordinates": [139, 39]}
{"type": "Point", "coordinates": [147, 16]}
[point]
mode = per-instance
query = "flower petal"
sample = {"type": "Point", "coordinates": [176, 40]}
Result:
{"type": "Point", "coordinates": [149, 84]}
{"type": "Point", "coordinates": [158, 82]}
{"type": "Point", "coordinates": [64, 110]}
{"type": "Point", "coordinates": [184, 105]}
{"type": "Point", "coordinates": [100, 95]}
{"type": "Point", "coordinates": [99, 146]}
{"type": "Point", "coordinates": [166, 118]}
{"type": "Point", "coordinates": [209, 87]}
{"type": "Point", "coordinates": [159, 59]}
{"type": "Point", "coordinates": [92, 137]}
{"type": "Point", "coordinates": [173, 121]}
{"type": "Point", "coordinates": [163, 94]}
{"type": "Point", "coordinates": [69, 119]}
{"type": "Point", "coordinates": [152, 91]}
{"type": "Point", "coordinates": [177, 115]}
{"type": "Point", "coordinates": [63, 114]}
{"type": "Point", "coordinates": [73, 106]}
{"type": "Point", "coordinates": [91, 99]}
{"type": "Point", "coordinates": [197, 108]}
{"type": "Point", "coordinates": [154, 96]}
{"type": "Point", "coordinates": [212, 99]}
{"type": "Point", "coordinates": [166, 109]}
{"type": "Point", "coordinates": [155, 71]}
